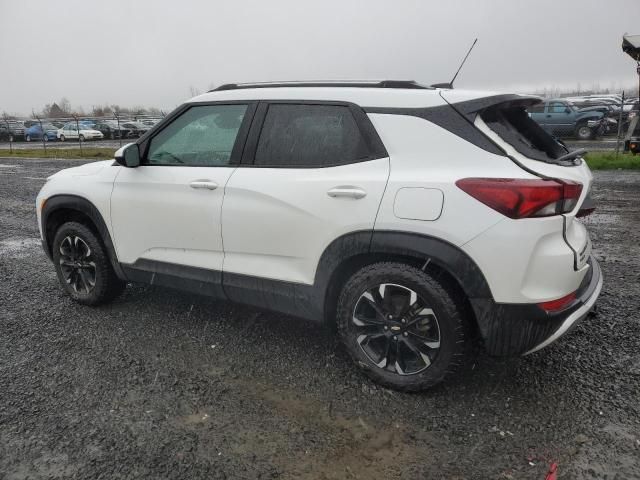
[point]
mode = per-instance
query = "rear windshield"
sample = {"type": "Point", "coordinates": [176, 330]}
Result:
{"type": "Point", "coordinates": [515, 127]}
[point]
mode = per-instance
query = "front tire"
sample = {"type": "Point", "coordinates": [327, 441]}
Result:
{"type": "Point", "coordinates": [402, 327]}
{"type": "Point", "coordinates": [28, 138]}
{"type": "Point", "coordinates": [62, 138]}
{"type": "Point", "coordinates": [83, 266]}
{"type": "Point", "coordinates": [81, 138]}
{"type": "Point", "coordinates": [583, 132]}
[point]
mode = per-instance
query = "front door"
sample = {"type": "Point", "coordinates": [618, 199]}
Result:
{"type": "Point", "coordinates": [559, 118]}
{"type": "Point", "coordinates": [167, 210]}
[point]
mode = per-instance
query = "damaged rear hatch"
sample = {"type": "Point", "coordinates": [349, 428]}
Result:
{"type": "Point", "coordinates": [505, 120]}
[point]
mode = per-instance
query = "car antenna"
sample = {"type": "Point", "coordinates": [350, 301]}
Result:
{"type": "Point", "coordinates": [450, 84]}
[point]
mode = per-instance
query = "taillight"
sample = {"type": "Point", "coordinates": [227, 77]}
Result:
{"type": "Point", "coordinates": [558, 304]}
{"type": "Point", "coordinates": [520, 198]}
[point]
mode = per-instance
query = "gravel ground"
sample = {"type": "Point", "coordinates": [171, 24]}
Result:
{"type": "Point", "coordinates": [162, 384]}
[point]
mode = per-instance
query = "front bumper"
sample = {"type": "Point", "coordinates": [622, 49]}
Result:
{"type": "Point", "coordinates": [520, 329]}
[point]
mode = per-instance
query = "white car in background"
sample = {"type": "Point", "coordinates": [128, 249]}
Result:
{"type": "Point", "coordinates": [73, 131]}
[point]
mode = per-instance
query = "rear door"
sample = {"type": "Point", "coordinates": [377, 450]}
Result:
{"type": "Point", "coordinates": [70, 131]}
{"type": "Point", "coordinates": [316, 171]}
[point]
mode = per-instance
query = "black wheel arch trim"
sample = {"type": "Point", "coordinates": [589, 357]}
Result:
{"type": "Point", "coordinates": [445, 254]}
{"type": "Point", "coordinates": [86, 207]}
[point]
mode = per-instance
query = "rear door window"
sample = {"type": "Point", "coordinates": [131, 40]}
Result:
{"type": "Point", "coordinates": [302, 136]}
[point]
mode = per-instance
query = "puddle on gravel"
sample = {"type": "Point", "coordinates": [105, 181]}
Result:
{"type": "Point", "coordinates": [342, 446]}
{"type": "Point", "coordinates": [18, 247]}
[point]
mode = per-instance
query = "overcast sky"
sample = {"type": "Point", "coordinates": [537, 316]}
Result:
{"type": "Point", "coordinates": [151, 52]}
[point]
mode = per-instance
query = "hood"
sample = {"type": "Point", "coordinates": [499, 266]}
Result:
{"type": "Point", "coordinates": [586, 112]}
{"type": "Point", "coordinates": [82, 170]}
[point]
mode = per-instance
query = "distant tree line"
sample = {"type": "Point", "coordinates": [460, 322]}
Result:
{"type": "Point", "coordinates": [63, 109]}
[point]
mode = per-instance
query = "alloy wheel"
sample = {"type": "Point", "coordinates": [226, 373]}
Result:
{"type": "Point", "coordinates": [396, 329]}
{"type": "Point", "coordinates": [77, 265]}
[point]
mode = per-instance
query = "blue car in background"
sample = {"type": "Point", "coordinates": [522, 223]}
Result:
{"type": "Point", "coordinates": [34, 132]}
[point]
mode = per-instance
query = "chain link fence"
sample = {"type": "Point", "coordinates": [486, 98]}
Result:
{"type": "Point", "coordinates": [73, 131]}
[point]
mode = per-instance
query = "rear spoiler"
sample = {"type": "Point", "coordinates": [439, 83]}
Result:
{"type": "Point", "coordinates": [470, 108]}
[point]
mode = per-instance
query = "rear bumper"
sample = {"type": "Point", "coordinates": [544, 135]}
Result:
{"type": "Point", "coordinates": [520, 329]}
{"type": "Point", "coordinates": [586, 301]}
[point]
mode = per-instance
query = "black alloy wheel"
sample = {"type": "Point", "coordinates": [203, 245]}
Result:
{"type": "Point", "coordinates": [405, 328]}
{"type": "Point", "coordinates": [396, 329]}
{"type": "Point", "coordinates": [77, 265]}
{"type": "Point", "coordinates": [83, 266]}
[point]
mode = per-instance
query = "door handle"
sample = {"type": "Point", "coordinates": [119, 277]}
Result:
{"type": "Point", "coordinates": [204, 184]}
{"type": "Point", "coordinates": [347, 192]}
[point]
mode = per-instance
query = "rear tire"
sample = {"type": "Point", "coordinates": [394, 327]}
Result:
{"type": "Point", "coordinates": [81, 138]}
{"type": "Point", "coordinates": [83, 266]}
{"type": "Point", "coordinates": [411, 334]}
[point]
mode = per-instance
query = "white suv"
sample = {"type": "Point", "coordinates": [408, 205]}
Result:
{"type": "Point", "coordinates": [414, 218]}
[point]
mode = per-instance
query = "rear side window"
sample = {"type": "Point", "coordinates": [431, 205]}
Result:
{"type": "Point", "coordinates": [537, 108]}
{"type": "Point", "coordinates": [309, 136]}
{"type": "Point", "coordinates": [515, 127]}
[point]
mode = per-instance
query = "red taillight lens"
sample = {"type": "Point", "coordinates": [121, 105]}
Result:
{"type": "Point", "coordinates": [519, 198]}
{"type": "Point", "coordinates": [559, 304]}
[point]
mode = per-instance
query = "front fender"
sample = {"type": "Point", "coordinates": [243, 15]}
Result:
{"type": "Point", "coordinates": [79, 204]}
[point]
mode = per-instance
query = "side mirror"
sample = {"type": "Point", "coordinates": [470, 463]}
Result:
{"type": "Point", "coordinates": [567, 110]}
{"type": "Point", "coordinates": [128, 156]}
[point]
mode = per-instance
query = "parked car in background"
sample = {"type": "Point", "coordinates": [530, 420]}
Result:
{"type": "Point", "coordinates": [111, 129]}
{"type": "Point", "coordinates": [136, 129]}
{"type": "Point", "coordinates": [149, 122]}
{"type": "Point", "coordinates": [35, 132]}
{"type": "Point", "coordinates": [5, 133]}
{"type": "Point", "coordinates": [70, 131]}
{"type": "Point", "coordinates": [13, 130]}
{"type": "Point", "coordinates": [561, 118]}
